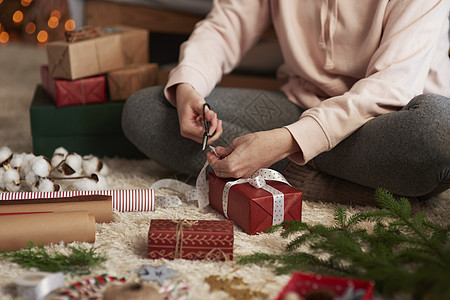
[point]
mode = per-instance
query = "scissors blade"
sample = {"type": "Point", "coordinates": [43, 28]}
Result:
{"type": "Point", "coordinates": [205, 141]}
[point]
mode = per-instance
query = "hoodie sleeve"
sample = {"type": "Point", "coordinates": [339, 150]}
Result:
{"type": "Point", "coordinates": [396, 73]}
{"type": "Point", "coordinates": [218, 43]}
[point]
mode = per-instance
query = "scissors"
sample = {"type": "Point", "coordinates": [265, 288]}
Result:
{"type": "Point", "coordinates": [207, 125]}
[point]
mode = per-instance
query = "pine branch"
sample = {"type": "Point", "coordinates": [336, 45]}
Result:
{"type": "Point", "coordinates": [402, 253]}
{"type": "Point", "coordinates": [80, 261]}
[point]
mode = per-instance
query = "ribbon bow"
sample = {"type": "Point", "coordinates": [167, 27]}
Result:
{"type": "Point", "coordinates": [258, 180]}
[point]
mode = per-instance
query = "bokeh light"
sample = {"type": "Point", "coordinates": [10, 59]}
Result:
{"type": "Point", "coordinates": [56, 13]}
{"type": "Point", "coordinates": [25, 3]}
{"type": "Point", "coordinates": [30, 28]}
{"type": "Point", "coordinates": [53, 22]}
{"type": "Point", "coordinates": [1, 1]}
{"type": "Point", "coordinates": [42, 36]}
{"type": "Point", "coordinates": [4, 37]}
{"type": "Point", "coordinates": [70, 25]}
{"type": "Point", "coordinates": [17, 16]}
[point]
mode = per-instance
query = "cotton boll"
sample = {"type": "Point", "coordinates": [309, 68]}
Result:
{"type": "Point", "coordinates": [11, 175]}
{"type": "Point", "coordinates": [26, 164]}
{"type": "Point", "coordinates": [2, 182]}
{"type": "Point", "coordinates": [11, 178]}
{"type": "Point", "coordinates": [85, 184]}
{"type": "Point", "coordinates": [56, 160]}
{"type": "Point", "coordinates": [94, 183]}
{"type": "Point", "coordinates": [31, 179]}
{"type": "Point", "coordinates": [17, 160]}
{"type": "Point", "coordinates": [92, 164]}
{"type": "Point", "coordinates": [104, 170]}
{"type": "Point", "coordinates": [58, 156]}
{"type": "Point", "coordinates": [45, 185]}
{"type": "Point", "coordinates": [74, 161]}
{"type": "Point", "coordinates": [40, 166]}
{"type": "Point", "coordinates": [60, 151]}
{"type": "Point", "coordinates": [101, 182]}
{"type": "Point", "coordinates": [5, 154]}
{"type": "Point", "coordinates": [12, 187]}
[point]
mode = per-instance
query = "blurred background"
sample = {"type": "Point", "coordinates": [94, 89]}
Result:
{"type": "Point", "coordinates": [36, 21]}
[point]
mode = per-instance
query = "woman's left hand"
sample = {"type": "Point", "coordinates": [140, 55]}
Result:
{"type": "Point", "coordinates": [248, 153]}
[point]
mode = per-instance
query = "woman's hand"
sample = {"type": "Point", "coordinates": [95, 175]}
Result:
{"type": "Point", "coordinates": [190, 114]}
{"type": "Point", "coordinates": [248, 153]}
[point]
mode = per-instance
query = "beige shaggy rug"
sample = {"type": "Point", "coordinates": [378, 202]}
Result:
{"type": "Point", "coordinates": [124, 241]}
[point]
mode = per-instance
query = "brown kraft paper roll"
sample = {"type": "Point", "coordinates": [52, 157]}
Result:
{"type": "Point", "coordinates": [98, 205]}
{"type": "Point", "coordinates": [45, 228]}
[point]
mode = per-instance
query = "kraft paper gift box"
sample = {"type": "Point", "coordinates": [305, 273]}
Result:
{"type": "Point", "coordinates": [125, 82]}
{"type": "Point", "coordinates": [191, 239]}
{"type": "Point", "coordinates": [135, 44]}
{"type": "Point", "coordinates": [85, 129]}
{"type": "Point", "coordinates": [252, 208]}
{"type": "Point", "coordinates": [74, 92]}
{"type": "Point", "coordinates": [302, 284]}
{"type": "Point", "coordinates": [108, 49]}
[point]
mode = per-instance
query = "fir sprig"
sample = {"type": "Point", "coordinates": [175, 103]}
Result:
{"type": "Point", "coordinates": [79, 261]}
{"type": "Point", "coordinates": [402, 253]}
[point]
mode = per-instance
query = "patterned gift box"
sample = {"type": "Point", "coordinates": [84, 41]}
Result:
{"type": "Point", "coordinates": [73, 92]}
{"type": "Point", "coordinates": [255, 209]}
{"type": "Point", "coordinates": [303, 284]}
{"type": "Point", "coordinates": [191, 239]}
{"type": "Point", "coordinates": [125, 82]}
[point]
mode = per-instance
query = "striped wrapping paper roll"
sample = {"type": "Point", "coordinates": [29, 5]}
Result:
{"type": "Point", "coordinates": [122, 200]}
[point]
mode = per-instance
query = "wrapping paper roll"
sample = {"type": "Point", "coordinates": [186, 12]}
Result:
{"type": "Point", "coordinates": [45, 228]}
{"type": "Point", "coordinates": [99, 206]}
{"type": "Point", "coordinates": [122, 200]}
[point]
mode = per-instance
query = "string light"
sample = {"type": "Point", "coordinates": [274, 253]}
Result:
{"type": "Point", "coordinates": [53, 22]}
{"type": "Point", "coordinates": [17, 16]}
{"type": "Point", "coordinates": [30, 28]}
{"type": "Point", "coordinates": [4, 37]}
{"type": "Point", "coordinates": [42, 36]}
{"type": "Point", "coordinates": [70, 25]}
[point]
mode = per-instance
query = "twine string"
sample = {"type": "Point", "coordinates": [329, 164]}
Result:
{"type": "Point", "coordinates": [83, 33]}
{"type": "Point", "coordinates": [179, 234]}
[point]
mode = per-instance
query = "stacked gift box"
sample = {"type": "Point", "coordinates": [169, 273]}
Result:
{"type": "Point", "coordinates": [83, 88]}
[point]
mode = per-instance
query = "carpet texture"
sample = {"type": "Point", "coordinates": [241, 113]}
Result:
{"type": "Point", "coordinates": [124, 241]}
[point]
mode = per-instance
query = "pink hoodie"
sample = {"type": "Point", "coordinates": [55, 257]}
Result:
{"type": "Point", "coordinates": [345, 61]}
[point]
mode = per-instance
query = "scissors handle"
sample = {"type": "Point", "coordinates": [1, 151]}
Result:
{"type": "Point", "coordinates": [207, 125]}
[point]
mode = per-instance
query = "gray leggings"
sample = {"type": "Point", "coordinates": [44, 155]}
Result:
{"type": "Point", "coordinates": [406, 152]}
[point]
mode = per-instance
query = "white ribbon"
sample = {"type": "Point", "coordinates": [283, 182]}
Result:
{"type": "Point", "coordinates": [201, 191]}
{"type": "Point", "coordinates": [37, 285]}
{"type": "Point", "coordinates": [177, 186]}
{"type": "Point", "coordinates": [258, 180]}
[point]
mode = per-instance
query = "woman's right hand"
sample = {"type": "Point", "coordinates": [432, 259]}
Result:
{"type": "Point", "coordinates": [190, 115]}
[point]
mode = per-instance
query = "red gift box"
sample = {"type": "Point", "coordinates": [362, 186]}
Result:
{"type": "Point", "coordinates": [252, 208]}
{"type": "Point", "coordinates": [303, 284]}
{"type": "Point", "coordinates": [191, 239]}
{"type": "Point", "coordinates": [74, 92]}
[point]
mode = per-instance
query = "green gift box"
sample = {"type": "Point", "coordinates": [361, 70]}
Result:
{"type": "Point", "coordinates": [85, 129]}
